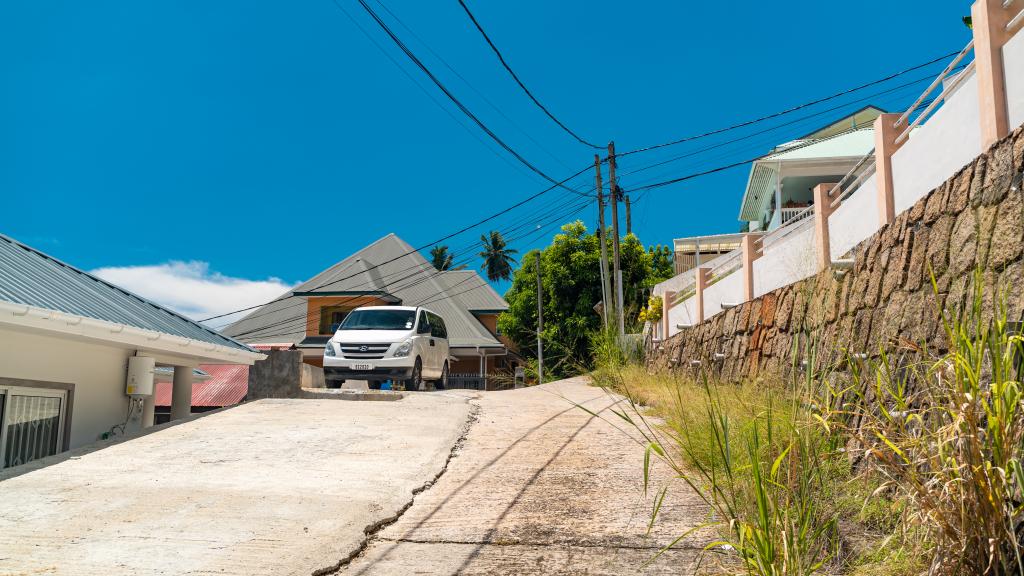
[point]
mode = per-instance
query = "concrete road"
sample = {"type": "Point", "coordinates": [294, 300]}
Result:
{"type": "Point", "coordinates": [272, 487]}
{"type": "Point", "coordinates": [540, 487]}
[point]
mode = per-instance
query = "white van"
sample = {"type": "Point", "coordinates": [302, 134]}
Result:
{"type": "Point", "coordinates": [398, 343]}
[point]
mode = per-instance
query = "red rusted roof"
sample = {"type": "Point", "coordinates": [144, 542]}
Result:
{"type": "Point", "coordinates": [228, 384]}
{"type": "Point", "coordinates": [268, 347]}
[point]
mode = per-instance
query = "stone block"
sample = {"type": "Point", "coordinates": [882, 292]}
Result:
{"type": "Point", "coordinates": [1000, 173]}
{"type": "Point", "coordinates": [960, 190]}
{"type": "Point", "coordinates": [935, 202]}
{"type": "Point", "coordinates": [963, 243]}
{"type": "Point", "coordinates": [916, 264]}
{"type": "Point", "coordinates": [938, 244]}
{"type": "Point", "coordinates": [978, 180]}
{"type": "Point", "coordinates": [1008, 232]}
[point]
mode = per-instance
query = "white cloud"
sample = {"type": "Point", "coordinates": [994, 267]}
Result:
{"type": "Point", "coordinates": [190, 288]}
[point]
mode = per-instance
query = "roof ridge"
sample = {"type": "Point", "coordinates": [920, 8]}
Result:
{"type": "Point", "coordinates": [113, 286]}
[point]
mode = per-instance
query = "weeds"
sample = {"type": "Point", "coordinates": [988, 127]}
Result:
{"type": "Point", "coordinates": [905, 464]}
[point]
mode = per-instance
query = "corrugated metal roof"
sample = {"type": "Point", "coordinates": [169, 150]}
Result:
{"type": "Point", "coordinates": [388, 265]}
{"type": "Point", "coordinates": [228, 384]}
{"type": "Point", "coordinates": [474, 293]}
{"type": "Point", "coordinates": [28, 276]}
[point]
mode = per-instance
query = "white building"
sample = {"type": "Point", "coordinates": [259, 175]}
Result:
{"type": "Point", "coordinates": [65, 340]}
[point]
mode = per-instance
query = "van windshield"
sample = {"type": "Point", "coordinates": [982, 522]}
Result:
{"type": "Point", "coordinates": [379, 320]}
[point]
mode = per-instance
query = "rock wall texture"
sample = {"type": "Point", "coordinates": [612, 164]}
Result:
{"type": "Point", "coordinates": [974, 221]}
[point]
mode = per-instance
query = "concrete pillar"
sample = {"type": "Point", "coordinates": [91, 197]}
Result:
{"type": "Point", "coordinates": [885, 146]}
{"type": "Point", "coordinates": [703, 274]}
{"type": "Point", "coordinates": [822, 210]}
{"type": "Point", "coordinates": [752, 250]}
{"type": "Point", "coordinates": [148, 411]}
{"type": "Point", "coordinates": [666, 304]}
{"type": "Point", "coordinates": [989, 20]}
{"type": "Point", "coordinates": [181, 392]}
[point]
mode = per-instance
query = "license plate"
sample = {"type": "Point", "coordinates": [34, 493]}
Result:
{"type": "Point", "coordinates": [362, 366]}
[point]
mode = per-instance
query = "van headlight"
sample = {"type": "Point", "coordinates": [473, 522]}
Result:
{"type": "Point", "coordinates": [403, 349]}
{"type": "Point", "coordinates": [329, 350]}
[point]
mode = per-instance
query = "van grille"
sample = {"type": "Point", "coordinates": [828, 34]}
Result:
{"type": "Point", "coordinates": [364, 351]}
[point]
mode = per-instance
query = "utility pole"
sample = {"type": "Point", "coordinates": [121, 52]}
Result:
{"type": "Point", "coordinates": [629, 218]}
{"type": "Point", "coordinates": [605, 286]}
{"type": "Point", "coordinates": [613, 188]}
{"type": "Point", "coordinates": [540, 326]}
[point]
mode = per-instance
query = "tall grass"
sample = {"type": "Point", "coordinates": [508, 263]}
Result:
{"type": "Point", "coordinates": [754, 456]}
{"type": "Point", "coordinates": [919, 449]}
{"type": "Point", "coordinates": [947, 432]}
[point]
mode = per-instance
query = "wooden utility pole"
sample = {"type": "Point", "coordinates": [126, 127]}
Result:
{"type": "Point", "coordinates": [629, 218]}
{"type": "Point", "coordinates": [540, 325]}
{"type": "Point", "coordinates": [605, 285]}
{"type": "Point", "coordinates": [613, 188]}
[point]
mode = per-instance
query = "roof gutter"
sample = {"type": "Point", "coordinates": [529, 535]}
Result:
{"type": "Point", "coordinates": [75, 326]}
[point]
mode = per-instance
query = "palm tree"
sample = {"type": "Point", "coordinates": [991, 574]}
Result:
{"type": "Point", "coordinates": [442, 259]}
{"type": "Point", "coordinates": [498, 260]}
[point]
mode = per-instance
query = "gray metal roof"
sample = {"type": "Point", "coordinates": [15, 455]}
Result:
{"type": "Point", "coordinates": [390, 266]}
{"type": "Point", "coordinates": [28, 276]}
{"type": "Point", "coordinates": [475, 294]}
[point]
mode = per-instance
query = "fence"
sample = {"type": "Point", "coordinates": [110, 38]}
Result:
{"type": "Point", "coordinates": [915, 152]}
{"type": "Point", "coordinates": [475, 381]}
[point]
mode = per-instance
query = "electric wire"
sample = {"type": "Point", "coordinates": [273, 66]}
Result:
{"type": "Point", "coordinates": [458, 103]}
{"type": "Point", "coordinates": [515, 77]}
{"type": "Point", "coordinates": [790, 110]}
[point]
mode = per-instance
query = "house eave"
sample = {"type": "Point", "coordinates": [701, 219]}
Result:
{"type": "Point", "coordinates": [33, 318]}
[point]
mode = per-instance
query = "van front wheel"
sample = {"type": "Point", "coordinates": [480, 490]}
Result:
{"type": "Point", "coordinates": [415, 381]}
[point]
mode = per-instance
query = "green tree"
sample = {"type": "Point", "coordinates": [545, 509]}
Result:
{"type": "Point", "coordinates": [498, 259]}
{"type": "Point", "coordinates": [571, 280]}
{"type": "Point", "coordinates": [662, 267]}
{"type": "Point", "coordinates": [442, 259]}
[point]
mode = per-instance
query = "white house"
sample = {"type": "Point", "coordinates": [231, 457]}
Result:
{"type": "Point", "coordinates": [65, 342]}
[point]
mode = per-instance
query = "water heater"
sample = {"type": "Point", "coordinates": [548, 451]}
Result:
{"type": "Point", "coordinates": [141, 373]}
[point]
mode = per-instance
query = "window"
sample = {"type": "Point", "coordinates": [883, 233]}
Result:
{"type": "Point", "coordinates": [31, 423]}
{"type": "Point", "coordinates": [331, 318]}
{"type": "Point", "coordinates": [379, 319]}
{"type": "Point", "coordinates": [437, 327]}
{"type": "Point", "coordinates": [423, 326]}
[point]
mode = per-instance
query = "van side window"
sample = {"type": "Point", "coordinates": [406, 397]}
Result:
{"type": "Point", "coordinates": [437, 327]}
{"type": "Point", "coordinates": [423, 322]}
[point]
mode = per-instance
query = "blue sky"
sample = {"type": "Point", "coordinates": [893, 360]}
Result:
{"type": "Point", "coordinates": [269, 140]}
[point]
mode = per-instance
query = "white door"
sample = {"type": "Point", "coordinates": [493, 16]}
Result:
{"type": "Point", "coordinates": [31, 424]}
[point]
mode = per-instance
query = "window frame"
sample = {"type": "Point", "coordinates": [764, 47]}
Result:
{"type": "Point", "coordinates": [18, 387]}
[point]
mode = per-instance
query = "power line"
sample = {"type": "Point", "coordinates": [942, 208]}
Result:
{"type": "Point", "coordinates": [778, 126]}
{"type": "Point", "coordinates": [296, 322]}
{"type": "Point", "coordinates": [520, 82]}
{"type": "Point", "coordinates": [462, 107]}
{"type": "Point", "coordinates": [790, 110]}
{"type": "Point", "coordinates": [423, 247]}
{"type": "Point", "coordinates": [482, 96]}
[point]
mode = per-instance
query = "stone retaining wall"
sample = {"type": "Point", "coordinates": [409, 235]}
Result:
{"type": "Point", "coordinates": [975, 220]}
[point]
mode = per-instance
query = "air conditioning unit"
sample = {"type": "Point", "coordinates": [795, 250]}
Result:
{"type": "Point", "coordinates": [141, 374]}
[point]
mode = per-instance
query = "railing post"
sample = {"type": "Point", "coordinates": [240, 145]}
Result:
{"type": "Point", "coordinates": [822, 210]}
{"type": "Point", "coordinates": [666, 304]}
{"type": "Point", "coordinates": [752, 250]}
{"type": "Point", "coordinates": [702, 283]}
{"type": "Point", "coordinates": [989, 20]}
{"type": "Point", "coordinates": [885, 145]}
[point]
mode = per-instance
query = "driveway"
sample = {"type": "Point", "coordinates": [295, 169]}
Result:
{"type": "Point", "coordinates": [272, 487]}
{"type": "Point", "coordinates": [514, 482]}
{"type": "Point", "coordinates": [540, 487]}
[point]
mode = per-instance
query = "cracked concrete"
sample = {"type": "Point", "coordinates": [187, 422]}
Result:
{"type": "Point", "coordinates": [272, 487]}
{"type": "Point", "coordinates": [513, 482]}
{"type": "Point", "coordinates": [541, 487]}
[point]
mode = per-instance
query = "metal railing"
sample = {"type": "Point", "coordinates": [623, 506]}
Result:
{"type": "Point", "coordinates": [1016, 20]}
{"type": "Point", "coordinates": [794, 214]}
{"type": "Point", "coordinates": [905, 117]}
